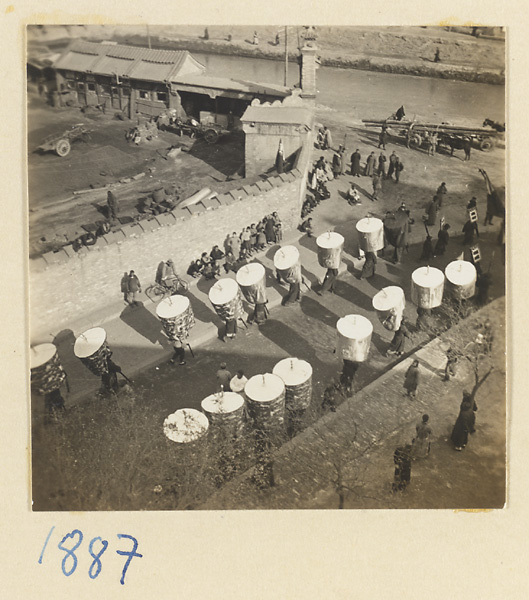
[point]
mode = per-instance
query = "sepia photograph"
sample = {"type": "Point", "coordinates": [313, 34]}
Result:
{"type": "Point", "coordinates": [267, 267]}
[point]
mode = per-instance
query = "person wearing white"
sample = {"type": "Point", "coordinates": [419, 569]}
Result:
{"type": "Point", "coordinates": [238, 382]}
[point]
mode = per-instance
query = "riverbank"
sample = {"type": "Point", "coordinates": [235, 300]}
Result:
{"type": "Point", "coordinates": [398, 50]}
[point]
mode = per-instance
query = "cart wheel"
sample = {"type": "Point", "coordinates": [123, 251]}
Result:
{"type": "Point", "coordinates": [486, 145]}
{"type": "Point", "coordinates": [416, 140]}
{"type": "Point", "coordinates": [62, 148]}
{"type": "Point", "coordinates": [211, 136]}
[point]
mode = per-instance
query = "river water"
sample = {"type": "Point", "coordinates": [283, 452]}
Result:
{"type": "Point", "coordinates": [368, 94]}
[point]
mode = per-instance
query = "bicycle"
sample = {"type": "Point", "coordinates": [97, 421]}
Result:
{"type": "Point", "coordinates": [159, 291]}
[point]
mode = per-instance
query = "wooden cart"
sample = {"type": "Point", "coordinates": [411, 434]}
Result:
{"type": "Point", "coordinates": [416, 134]}
{"type": "Point", "coordinates": [61, 143]}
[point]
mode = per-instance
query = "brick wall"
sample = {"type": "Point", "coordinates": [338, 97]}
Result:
{"type": "Point", "coordinates": [65, 285]}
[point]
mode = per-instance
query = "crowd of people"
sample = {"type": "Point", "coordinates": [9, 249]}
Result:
{"type": "Point", "coordinates": [239, 248]}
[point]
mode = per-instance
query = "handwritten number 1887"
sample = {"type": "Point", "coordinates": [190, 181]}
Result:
{"type": "Point", "coordinates": [71, 542]}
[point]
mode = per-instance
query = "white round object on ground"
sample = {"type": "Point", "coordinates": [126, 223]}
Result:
{"type": "Point", "coordinates": [354, 337]}
{"type": "Point", "coordinates": [185, 425]}
{"type": "Point", "coordinates": [286, 257]}
{"type": "Point", "coordinates": [297, 377]}
{"type": "Point", "coordinates": [293, 371]}
{"type": "Point", "coordinates": [264, 388]}
{"type": "Point", "coordinates": [330, 246]}
{"type": "Point", "coordinates": [89, 342]}
{"type": "Point", "coordinates": [370, 234]}
{"type": "Point", "coordinates": [224, 291]}
{"type": "Point", "coordinates": [427, 284]}
{"type": "Point", "coordinates": [461, 276]}
{"type": "Point", "coordinates": [41, 354]}
{"type": "Point", "coordinates": [225, 403]}
{"type": "Point", "coordinates": [172, 307]}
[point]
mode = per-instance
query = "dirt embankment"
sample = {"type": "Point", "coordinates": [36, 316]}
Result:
{"type": "Point", "coordinates": [400, 50]}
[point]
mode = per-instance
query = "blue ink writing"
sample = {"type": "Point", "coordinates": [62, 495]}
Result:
{"type": "Point", "coordinates": [130, 554]}
{"type": "Point", "coordinates": [97, 557]}
{"type": "Point", "coordinates": [45, 544]}
{"type": "Point", "coordinates": [70, 552]}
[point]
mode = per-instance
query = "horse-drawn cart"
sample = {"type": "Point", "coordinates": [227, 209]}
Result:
{"type": "Point", "coordinates": [61, 143]}
{"type": "Point", "coordinates": [211, 132]}
{"type": "Point", "coordinates": [417, 134]}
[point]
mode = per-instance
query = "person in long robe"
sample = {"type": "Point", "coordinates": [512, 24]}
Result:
{"type": "Point", "coordinates": [442, 240]}
{"type": "Point", "coordinates": [370, 165]}
{"type": "Point", "coordinates": [337, 165]}
{"type": "Point", "coordinates": [411, 379]}
{"type": "Point", "coordinates": [377, 185]}
{"type": "Point", "coordinates": [464, 425]}
{"type": "Point", "coordinates": [400, 114]}
{"type": "Point", "coordinates": [393, 158]}
{"type": "Point", "coordinates": [368, 270]}
{"type": "Point", "coordinates": [421, 445]}
{"type": "Point", "coordinates": [341, 151]}
{"type": "Point", "coordinates": [382, 165]}
{"type": "Point", "coordinates": [441, 193]}
{"type": "Point", "coordinates": [427, 248]}
{"type": "Point", "coordinates": [432, 211]}
{"type": "Point", "coordinates": [402, 460]}
{"type": "Point", "coordinates": [398, 343]}
{"type": "Point", "coordinates": [469, 228]}
{"type": "Point", "coordinates": [383, 138]}
{"type": "Point", "coordinates": [356, 169]}
{"type": "Point", "coordinates": [397, 227]}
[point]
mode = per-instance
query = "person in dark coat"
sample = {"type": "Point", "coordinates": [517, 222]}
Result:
{"type": "Point", "coordinates": [399, 167]}
{"type": "Point", "coordinates": [383, 138]}
{"type": "Point", "coordinates": [469, 228]}
{"type": "Point", "coordinates": [329, 281]}
{"type": "Point", "coordinates": [133, 288]}
{"type": "Point", "coordinates": [432, 211]}
{"type": "Point", "coordinates": [368, 270]}
{"type": "Point", "coordinates": [347, 376]}
{"type": "Point", "coordinates": [442, 240]}
{"type": "Point", "coordinates": [482, 284]}
{"type": "Point", "coordinates": [270, 230]}
{"type": "Point", "coordinates": [464, 425]}
{"type": "Point", "coordinates": [382, 165]}
{"type": "Point", "coordinates": [337, 164]}
{"type": "Point", "coordinates": [411, 379]}
{"type": "Point", "coordinates": [397, 345]}
{"type": "Point", "coordinates": [355, 163]}
{"type": "Point", "coordinates": [125, 285]}
{"type": "Point", "coordinates": [400, 114]}
{"type": "Point", "coordinates": [112, 204]}
{"type": "Point", "coordinates": [392, 160]}
{"type": "Point", "coordinates": [441, 193]}
{"type": "Point", "coordinates": [370, 165]}
{"type": "Point", "coordinates": [402, 459]}
{"type": "Point", "coordinates": [437, 57]}
{"type": "Point", "coordinates": [280, 159]}
{"type": "Point", "coordinates": [467, 147]}
{"type": "Point", "coordinates": [427, 248]}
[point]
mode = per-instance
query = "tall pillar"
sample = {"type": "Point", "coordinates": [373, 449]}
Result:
{"type": "Point", "coordinates": [308, 70]}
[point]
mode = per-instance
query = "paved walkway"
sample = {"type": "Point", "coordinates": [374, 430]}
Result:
{"type": "Point", "coordinates": [383, 417]}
